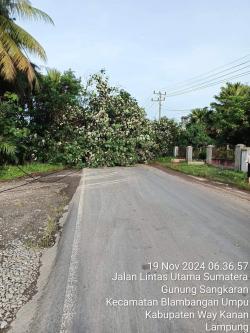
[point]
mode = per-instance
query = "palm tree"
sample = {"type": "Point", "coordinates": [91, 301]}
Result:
{"type": "Point", "coordinates": [232, 89]}
{"type": "Point", "coordinates": [199, 115]}
{"type": "Point", "coordinates": [16, 43]}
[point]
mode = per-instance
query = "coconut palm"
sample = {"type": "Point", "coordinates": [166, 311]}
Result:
{"type": "Point", "coordinates": [232, 89]}
{"type": "Point", "coordinates": [15, 42]}
{"type": "Point", "coordinates": [199, 115]}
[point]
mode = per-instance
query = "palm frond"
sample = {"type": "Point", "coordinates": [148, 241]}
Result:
{"type": "Point", "coordinates": [7, 148]}
{"type": "Point", "coordinates": [7, 68]}
{"type": "Point", "coordinates": [25, 10]}
{"type": "Point", "coordinates": [16, 44]}
{"type": "Point", "coordinates": [15, 59]}
{"type": "Point", "coordinates": [21, 37]}
{"type": "Point", "coordinates": [13, 42]}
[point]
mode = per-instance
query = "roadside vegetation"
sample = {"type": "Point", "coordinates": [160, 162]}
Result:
{"type": "Point", "coordinates": [235, 178]}
{"type": "Point", "coordinates": [9, 172]}
{"type": "Point", "coordinates": [95, 124]}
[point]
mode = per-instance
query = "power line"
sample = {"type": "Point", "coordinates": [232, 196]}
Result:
{"type": "Point", "coordinates": [209, 81]}
{"type": "Point", "coordinates": [202, 86]}
{"type": "Point", "coordinates": [190, 80]}
{"type": "Point", "coordinates": [160, 100]}
{"type": "Point", "coordinates": [212, 76]}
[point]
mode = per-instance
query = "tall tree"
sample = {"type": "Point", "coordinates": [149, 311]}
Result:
{"type": "Point", "coordinates": [231, 113]}
{"type": "Point", "coordinates": [16, 43]}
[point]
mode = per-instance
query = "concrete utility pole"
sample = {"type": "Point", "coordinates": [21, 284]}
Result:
{"type": "Point", "coordinates": [160, 99]}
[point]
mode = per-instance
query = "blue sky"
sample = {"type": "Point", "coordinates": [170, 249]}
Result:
{"type": "Point", "coordinates": [146, 45]}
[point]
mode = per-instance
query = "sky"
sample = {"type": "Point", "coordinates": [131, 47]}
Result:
{"type": "Point", "coordinates": [145, 45]}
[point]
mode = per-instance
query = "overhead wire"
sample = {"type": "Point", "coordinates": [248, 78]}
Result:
{"type": "Point", "coordinates": [205, 74]}
{"type": "Point", "coordinates": [212, 77]}
{"type": "Point", "coordinates": [201, 81]}
{"type": "Point", "coordinates": [202, 86]}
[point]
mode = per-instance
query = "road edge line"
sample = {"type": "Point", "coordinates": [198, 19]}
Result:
{"type": "Point", "coordinates": [71, 286]}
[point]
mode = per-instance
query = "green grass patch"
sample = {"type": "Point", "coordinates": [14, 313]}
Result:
{"type": "Point", "coordinates": [11, 171]}
{"type": "Point", "coordinates": [236, 178]}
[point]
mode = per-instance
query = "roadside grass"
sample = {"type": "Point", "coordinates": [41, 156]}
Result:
{"type": "Point", "coordinates": [231, 177]}
{"type": "Point", "coordinates": [10, 172]}
{"type": "Point", "coordinates": [49, 233]}
{"type": "Point", "coordinates": [52, 226]}
{"type": "Point", "coordinates": [48, 236]}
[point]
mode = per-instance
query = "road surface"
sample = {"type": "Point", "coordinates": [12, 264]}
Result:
{"type": "Point", "coordinates": [121, 220]}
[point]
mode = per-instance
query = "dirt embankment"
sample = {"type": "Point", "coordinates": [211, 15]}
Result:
{"type": "Point", "coordinates": [29, 214]}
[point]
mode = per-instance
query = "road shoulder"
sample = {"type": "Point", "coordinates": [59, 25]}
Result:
{"type": "Point", "coordinates": [228, 188]}
{"type": "Point", "coordinates": [27, 211]}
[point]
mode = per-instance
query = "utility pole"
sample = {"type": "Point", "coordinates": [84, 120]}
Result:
{"type": "Point", "coordinates": [161, 98]}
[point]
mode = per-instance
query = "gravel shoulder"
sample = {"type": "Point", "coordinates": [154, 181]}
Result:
{"type": "Point", "coordinates": [29, 215]}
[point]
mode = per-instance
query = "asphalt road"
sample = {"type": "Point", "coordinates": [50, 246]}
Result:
{"type": "Point", "coordinates": [121, 220]}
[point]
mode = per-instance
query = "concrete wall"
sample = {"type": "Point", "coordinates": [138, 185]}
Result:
{"type": "Point", "coordinates": [244, 153]}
